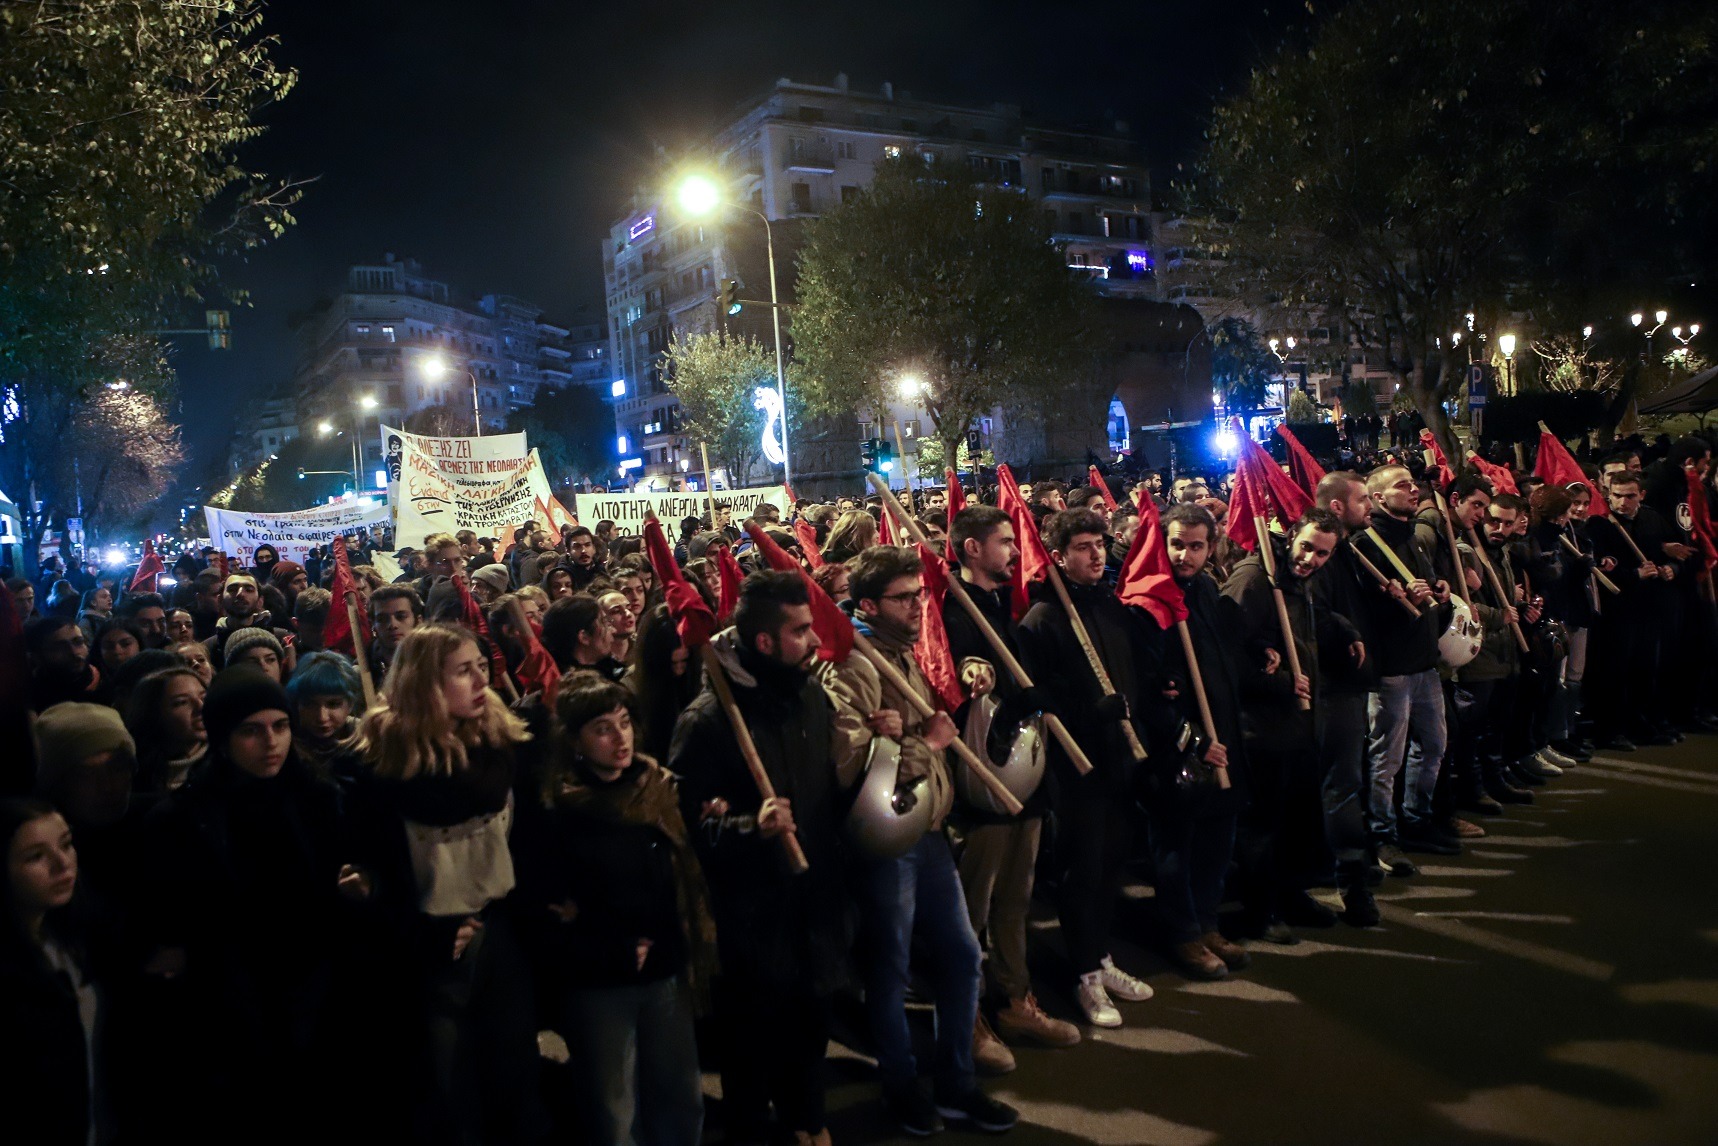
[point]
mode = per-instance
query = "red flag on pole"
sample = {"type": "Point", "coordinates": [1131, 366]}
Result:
{"type": "Point", "coordinates": [148, 569]}
{"type": "Point", "coordinates": [692, 617]}
{"type": "Point", "coordinates": [1305, 471]}
{"type": "Point", "coordinates": [834, 630]}
{"type": "Point", "coordinates": [1146, 578]}
{"type": "Point", "coordinates": [731, 575]}
{"type": "Point", "coordinates": [337, 631]}
{"type": "Point", "coordinates": [1502, 481]}
{"type": "Point", "coordinates": [807, 535]}
{"type": "Point", "coordinates": [936, 659]}
{"type": "Point", "coordinates": [1034, 562]}
{"type": "Point", "coordinates": [1700, 513]}
{"type": "Point", "coordinates": [885, 528]}
{"type": "Point", "coordinates": [1261, 490]}
{"type": "Point", "coordinates": [219, 564]}
{"type": "Point", "coordinates": [1446, 473]}
{"type": "Point", "coordinates": [1099, 484]}
{"type": "Point", "coordinates": [956, 492]}
{"type": "Point", "coordinates": [791, 499]}
{"type": "Point", "coordinates": [1554, 465]}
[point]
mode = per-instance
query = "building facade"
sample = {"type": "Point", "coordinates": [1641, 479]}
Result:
{"type": "Point", "coordinates": [798, 151]}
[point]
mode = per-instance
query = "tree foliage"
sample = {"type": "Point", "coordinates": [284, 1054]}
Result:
{"type": "Point", "coordinates": [1420, 161]}
{"type": "Point", "coordinates": [716, 376]}
{"type": "Point", "coordinates": [930, 274]}
{"type": "Point", "coordinates": [273, 485]}
{"type": "Point", "coordinates": [119, 131]}
{"type": "Point", "coordinates": [1242, 367]}
{"type": "Point", "coordinates": [120, 456]}
{"type": "Point", "coordinates": [572, 428]}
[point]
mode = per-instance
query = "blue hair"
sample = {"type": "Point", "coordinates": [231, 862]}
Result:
{"type": "Point", "coordinates": [325, 673]}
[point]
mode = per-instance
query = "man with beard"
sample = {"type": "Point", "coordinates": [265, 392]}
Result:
{"type": "Point", "coordinates": [996, 865]}
{"type": "Point", "coordinates": [1093, 812]}
{"type": "Point", "coordinates": [59, 663]}
{"type": "Point", "coordinates": [1409, 698]}
{"type": "Point", "coordinates": [783, 937]}
{"type": "Point", "coordinates": [148, 611]}
{"type": "Point", "coordinates": [581, 560]}
{"type": "Point", "coordinates": [1340, 594]}
{"type": "Point", "coordinates": [241, 606]}
{"type": "Point", "coordinates": [918, 892]}
{"type": "Point", "coordinates": [1278, 725]}
{"type": "Point", "coordinates": [395, 610]}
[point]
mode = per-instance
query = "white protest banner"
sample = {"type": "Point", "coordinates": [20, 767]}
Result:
{"type": "Point", "coordinates": [627, 510]}
{"type": "Point", "coordinates": [237, 533]}
{"type": "Point", "coordinates": [476, 463]}
{"type": "Point", "coordinates": [431, 501]}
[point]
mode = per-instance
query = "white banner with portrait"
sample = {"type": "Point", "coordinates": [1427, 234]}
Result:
{"type": "Point", "coordinates": [476, 463]}
{"type": "Point", "coordinates": [628, 510]}
{"type": "Point", "coordinates": [432, 501]}
{"type": "Point", "coordinates": [238, 533]}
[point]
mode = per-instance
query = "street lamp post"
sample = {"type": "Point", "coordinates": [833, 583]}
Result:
{"type": "Point", "coordinates": [700, 196]}
{"type": "Point", "coordinates": [1506, 344]}
{"type": "Point", "coordinates": [324, 428]}
{"type": "Point", "coordinates": [435, 367]}
{"type": "Point", "coordinates": [1637, 318]}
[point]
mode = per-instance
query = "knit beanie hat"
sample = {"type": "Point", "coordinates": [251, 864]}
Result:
{"type": "Point", "coordinates": [236, 694]}
{"type": "Point", "coordinates": [495, 576]}
{"type": "Point", "coordinates": [699, 546]}
{"type": "Point", "coordinates": [244, 639]}
{"type": "Point", "coordinates": [71, 732]}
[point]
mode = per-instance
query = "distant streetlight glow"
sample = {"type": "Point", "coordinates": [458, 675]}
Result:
{"type": "Point", "coordinates": [1661, 316]}
{"type": "Point", "coordinates": [368, 401]}
{"type": "Point", "coordinates": [1506, 343]}
{"type": "Point", "coordinates": [324, 428]}
{"type": "Point", "coordinates": [699, 195]}
{"type": "Point", "coordinates": [434, 367]}
{"type": "Point", "coordinates": [1637, 318]}
{"type": "Point", "coordinates": [912, 386]}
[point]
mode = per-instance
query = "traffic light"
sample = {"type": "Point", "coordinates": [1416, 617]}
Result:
{"type": "Point", "coordinates": [300, 473]}
{"type": "Point", "coordinates": [885, 456]}
{"type": "Point", "coordinates": [868, 453]}
{"type": "Point", "coordinates": [728, 296]}
{"type": "Point", "coordinates": [220, 327]}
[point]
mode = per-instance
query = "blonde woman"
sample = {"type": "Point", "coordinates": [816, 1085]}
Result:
{"type": "Point", "coordinates": [433, 769]}
{"type": "Point", "coordinates": [850, 536]}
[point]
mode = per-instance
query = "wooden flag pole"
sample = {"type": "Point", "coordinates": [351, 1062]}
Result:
{"type": "Point", "coordinates": [1455, 551]}
{"type": "Point", "coordinates": [1009, 661]}
{"type": "Point", "coordinates": [1268, 556]}
{"type": "Point", "coordinates": [719, 685]}
{"type": "Point", "coordinates": [709, 483]}
{"type": "Point", "coordinates": [1630, 540]}
{"type": "Point", "coordinates": [1383, 581]}
{"type": "Point", "coordinates": [1505, 599]}
{"type": "Point", "coordinates": [1085, 639]}
{"type": "Point", "coordinates": [1203, 700]}
{"type": "Point", "coordinates": [360, 655]}
{"type": "Point", "coordinates": [1600, 577]}
{"type": "Point", "coordinates": [978, 767]}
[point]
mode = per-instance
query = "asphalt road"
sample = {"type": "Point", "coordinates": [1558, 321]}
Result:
{"type": "Point", "coordinates": [1557, 983]}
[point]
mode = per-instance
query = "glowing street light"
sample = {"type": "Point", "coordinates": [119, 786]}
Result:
{"type": "Point", "coordinates": [1506, 344]}
{"type": "Point", "coordinates": [911, 387]}
{"type": "Point", "coordinates": [325, 428]}
{"type": "Point", "coordinates": [699, 195]}
{"type": "Point", "coordinates": [435, 367]}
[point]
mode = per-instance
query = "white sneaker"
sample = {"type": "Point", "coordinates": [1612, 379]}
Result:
{"type": "Point", "coordinates": [1547, 762]}
{"type": "Point", "coordinates": [1122, 985]}
{"type": "Point", "coordinates": [1095, 1001]}
{"type": "Point", "coordinates": [1557, 758]}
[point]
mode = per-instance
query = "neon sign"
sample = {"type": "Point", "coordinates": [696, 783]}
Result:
{"type": "Point", "coordinates": [641, 228]}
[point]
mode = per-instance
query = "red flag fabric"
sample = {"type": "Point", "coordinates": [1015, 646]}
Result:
{"type": "Point", "coordinates": [936, 659]}
{"type": "Point", "coordinates": [1700, 524]}
{"type": "Point", "coordinates": [692, 617]}
{"type": "Point", "coordinates": [148, 569]}
{"type": "Point", "coordinates": [537, 671]}
{"type": "Point", "coordinates": [834, 630]}
{"type": "Point", "coordinates": [1446, 473]}
{"type": "Point", "coordinates": [956, 492]}
{"type": "Point", "coordinates": [792, 500]}
{"type": "Point", "coordinates": [1305, 471]}
{"type": "Point", "coordinates": [337, 631]}
{"type": "Point", "coordinates": [807, 534]}
{"type": "Point", "coordinates": [1099, 484]}
{"type": "Point", "coordinates": [731, 575]}
{"type": "Point", "coordinates": [1554, 465]}
{"type": "Point", "coordinates": [1034, 563]}
{"type": "Point", "coordinates": [1502, 481]}
{"type": "Point", "coordinates": [1146, 579]}
{"type": "Point", "coordinates": [885, 528]}
{"type": "Point", "coordinates": [219, 564]}
{"type": "Point", "coordinates": [474, 620]}
{"type": "Point", "coordinates": [1261, 490]}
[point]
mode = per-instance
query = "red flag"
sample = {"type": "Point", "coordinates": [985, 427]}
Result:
{"type": "Point", "coordinates": [956, 493]}
{"type": "Point", "coordinates": [1034, 562]}
{"type": "Point", "coordinates": [1446, 474]}
{"type": "Point", "coordinates": [1700, 523]}
{"type": "Point", "coordinates": [834, 630]}
{"type": "Point", "coordinates": [731, 576]}
{"type": "Point", "coordinates": [474, 620]}
{"type": "Point", "coordinates": [936, 659]}
{"type": "Point", "coordinates": [1502, 481]}
{"type": "Point", "coordinates": [692, 617]}
{"type": "Point", "coordinates": [1099, 484]}
{"type": "Point", "coordinates": [1146, 578]}
{"type": "Point", "coordinates": [807, 535]}
{"type": "Point", "coordinates": [1306, 472]}
{"type": "Point", "coordinates": [1555, 466]}
{"type": "Point", "coordinates": [219, 563]}
{"type": "Point", "coordinates": [337, 630]}
{"type": "Point", "coordinates": [791, 499]}
{"type": "Point", "coordinates": [885, 528]}
{"type": "Point", "coordinates": [1261, 490]}
{"type": "Point", "coordinates": [148, 569]}
{"type": "Point", "coordinates": [537, 670]}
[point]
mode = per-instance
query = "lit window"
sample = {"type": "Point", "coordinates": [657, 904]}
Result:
{"type": "Point", "coordinates": [388, 333]}
{"type": "Point", "coordinates": [362, 328]}
{"type": "Point", "coordinates": [892, 152]}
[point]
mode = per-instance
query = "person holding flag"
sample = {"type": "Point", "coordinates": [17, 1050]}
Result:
{"type": "Point", "coordinates": [1093, 812]}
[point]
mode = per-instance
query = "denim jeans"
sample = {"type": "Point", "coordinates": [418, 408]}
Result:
{"type": "Point", "coordinates": [635, 1064]}
{"type": "Point", "coordinates": [921, 891]}
{"type": "Point", "coordinates": [1404, 705]}
{"type": "Point", "coordinates": [1191, 857]}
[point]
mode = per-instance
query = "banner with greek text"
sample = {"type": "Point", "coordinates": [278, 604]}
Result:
{"type": "Point", "coordinates": [476, 463]}
{"type": "Point", "coordinates": [431, 501]}
{"type": "Point", "coordinates": [237, 533]}
{"type": "Point", "coordinates": [628, 510]}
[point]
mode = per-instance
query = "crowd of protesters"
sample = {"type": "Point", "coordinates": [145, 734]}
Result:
{"type": "Point", "coordinates": [511, 847]}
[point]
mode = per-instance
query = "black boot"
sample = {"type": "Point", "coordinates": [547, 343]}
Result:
{"type": "Point", "coordinates": [1500, 789]}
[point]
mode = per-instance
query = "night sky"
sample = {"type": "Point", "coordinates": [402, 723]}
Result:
{"type": "Point", "coordinates": [494, 141]}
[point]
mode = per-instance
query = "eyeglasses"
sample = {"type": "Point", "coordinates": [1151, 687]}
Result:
{"type": "Point", "coordinates": [916, 596]}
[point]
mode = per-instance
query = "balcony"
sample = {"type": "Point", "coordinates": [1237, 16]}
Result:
{"type": "Point", "coordinates": [816, 158]}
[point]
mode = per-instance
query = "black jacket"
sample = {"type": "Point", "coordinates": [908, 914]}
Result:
{"type": "Point", "coordinates": [1404, 645]}
{"type": "Point", "coordinates": [1273, 720]}
{"type": "Point", "coordinates": [1637, 599]}
{"type": "Point", "coordinates": [1342, 593]}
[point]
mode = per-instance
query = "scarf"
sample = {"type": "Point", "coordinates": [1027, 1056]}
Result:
{"type": "Point", "coordinates": [645, 797]}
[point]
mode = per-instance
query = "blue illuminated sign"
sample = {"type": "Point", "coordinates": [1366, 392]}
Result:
{"type": "Point", "coordinates": [641, 228]}
{"type": "Point", "coordinates": [1139, 261]}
